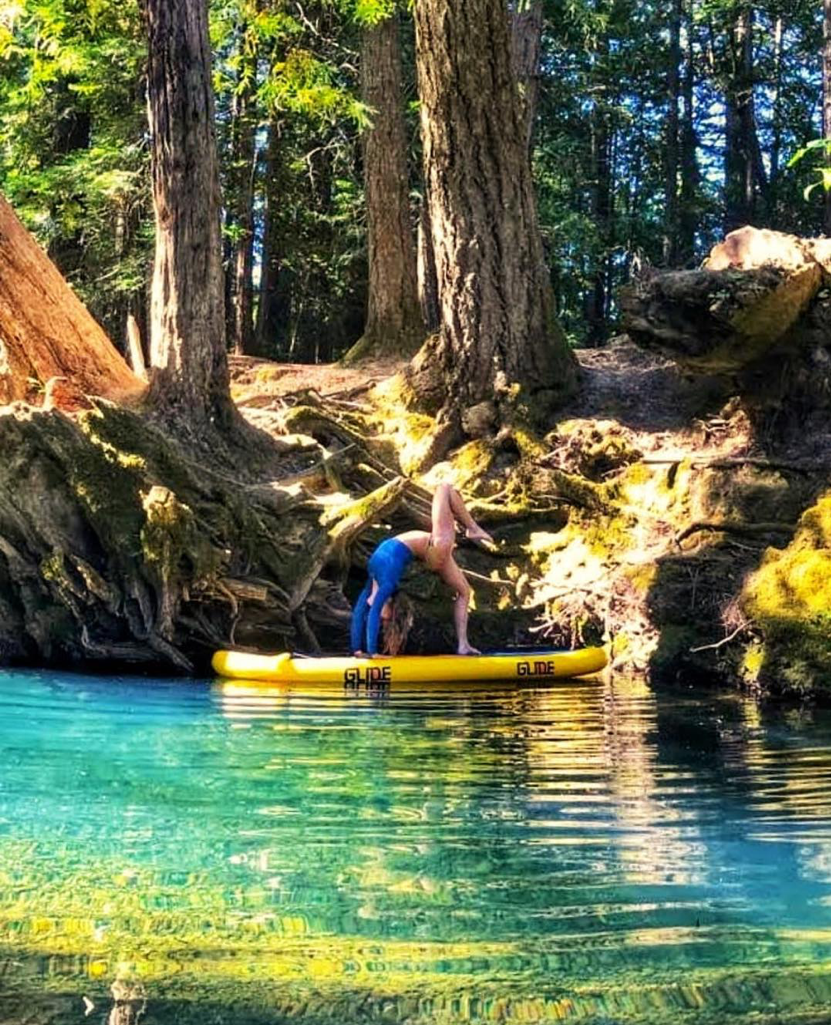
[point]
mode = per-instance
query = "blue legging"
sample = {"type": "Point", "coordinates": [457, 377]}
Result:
{"type": "Point", "coordinates": [386, 566]}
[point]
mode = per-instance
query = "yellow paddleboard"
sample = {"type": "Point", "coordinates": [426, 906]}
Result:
{"type": "Point", "coordinates": [374, 673]}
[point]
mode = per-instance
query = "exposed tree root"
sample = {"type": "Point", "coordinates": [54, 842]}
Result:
{"type": "Point", "coordinates": [734, 527]}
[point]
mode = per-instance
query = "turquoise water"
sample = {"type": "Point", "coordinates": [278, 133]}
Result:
{"type": "Point", "coordinates": [173, 851]}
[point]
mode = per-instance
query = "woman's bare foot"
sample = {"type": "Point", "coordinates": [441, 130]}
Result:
{"type": "Point", "coordinates": [478, 534]}
{"type": "Point", "coordinates": [466, 649]}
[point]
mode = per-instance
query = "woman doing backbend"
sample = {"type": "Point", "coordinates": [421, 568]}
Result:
{"type": "Point", "coordinates": [386, 566]}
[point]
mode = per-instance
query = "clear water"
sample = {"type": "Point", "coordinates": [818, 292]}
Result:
{"type": "Point", "coordinates": [591, 852]}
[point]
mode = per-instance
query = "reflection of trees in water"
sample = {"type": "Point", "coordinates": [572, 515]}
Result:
{"type": "Point", "coordinates": [661, 840]}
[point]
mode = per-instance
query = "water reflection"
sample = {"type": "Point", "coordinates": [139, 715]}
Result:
{"type": "Point", "coordinates": [588, 851]}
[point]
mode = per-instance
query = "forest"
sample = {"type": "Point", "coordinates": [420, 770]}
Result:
{"type": "Point", "coordinates": [566, 254]}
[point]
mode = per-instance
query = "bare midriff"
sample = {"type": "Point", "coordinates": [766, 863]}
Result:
{"type": "Point", "coordinates": [433, 549]}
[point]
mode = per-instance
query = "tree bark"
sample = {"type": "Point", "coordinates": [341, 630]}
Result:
{"type": "Point", "coordinates": [190, 370]}
{"type": "Point", "coordinates": [526, 37]}
{"type": "Point", "coordinates": [499, 341]}
{"type": "Point", "coordinates": [242, 202]}
{"type": "Point", "coordinates": [671, 219]}
{"type": "Point", "coordinates": [688, 212]}
{"type": "Point", "coordinates": [393, 321]}
{"type": "Point", "coordinates": [45, 330]}
{"type": "Point", "coordinates": [428, 285]}
{"type": "Point", "coordinates": [826, 102]}
{"type": "Point", "coordinates": [268, 331]}
{"type": "Point", "coordinates": [776, 117]}
{"type": "Point", "coordinates": [743, 164]}
{"type": "Point", "coordinates": [601, 208]}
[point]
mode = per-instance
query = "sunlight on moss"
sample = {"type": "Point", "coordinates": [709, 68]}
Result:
{"type": "Point", "coordinates": [789, 600]}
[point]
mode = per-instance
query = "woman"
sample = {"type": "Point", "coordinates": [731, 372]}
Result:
{"type": "Point", "coordinates": [378, 600]}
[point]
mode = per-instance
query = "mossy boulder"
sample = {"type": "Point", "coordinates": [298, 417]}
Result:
{"type": "Point", "coordinates": [788, 599]}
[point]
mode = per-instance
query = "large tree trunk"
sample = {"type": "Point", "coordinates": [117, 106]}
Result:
{"type": "Point", "coordinates": [526, 38]}
{"type": "Point", "coordinates": [190, 368]}
{"type": "Point", "coordinates": [777, 121]}
{"type": "Point", "coordinates": [601, 211]}
{"type": "Point", "coordinates": [71, 131]}
{"type": "Point", "coordinates": [499, 341]}
{"type": "Point", "coordinates": [45, 330]}
{"type": "Point", "coordinates": [393, 322]}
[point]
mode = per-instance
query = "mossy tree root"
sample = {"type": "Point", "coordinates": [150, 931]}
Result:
{"type": "Point", "coordinates": [116, 547]}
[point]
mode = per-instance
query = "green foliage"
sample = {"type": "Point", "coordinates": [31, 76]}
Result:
{"type": "Point", "coordinates": [73, 154]}
{"type": "Point", "coordinates": [815, 148]}
{"type": "Point", "coordinates": [74, 147]}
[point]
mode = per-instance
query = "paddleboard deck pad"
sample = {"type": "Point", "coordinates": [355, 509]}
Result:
{"type": "Point", "coordinates": [521, 667]}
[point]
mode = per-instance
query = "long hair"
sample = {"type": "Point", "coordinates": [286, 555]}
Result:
{"type": "Point", "coordinates": [397, 625]}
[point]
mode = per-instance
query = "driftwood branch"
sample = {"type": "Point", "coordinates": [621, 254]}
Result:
{"type": "Point", "coordinates": [725, 640]}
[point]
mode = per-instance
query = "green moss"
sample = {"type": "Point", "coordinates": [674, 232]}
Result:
{"type": "Point", "coordinates": [752, 663]}
{"type": "Point", "coordinates": [642, 577]}
{"type": "Point", "coordinates": [529, 445]}
{"type": "Point", "coordinates": [788, 598]}
{"type": "Point", "coordinates": [170, 534]}
{"type": "Point", "coordinates": [621, 645]}
{"type": "Point", "coordinates": [673, 647]}
{"type": "Point", "coordinates": [52, 567]}
{"type": "Point", "coordinates": [636, 475]}
{"type": "Point", "coordinates": [607, 535]}
{"type": "Point", "coordinates": [470, 463]}
{"type": "Point", "coordinates": [394, 393]}
{"type": "Point", "coordinates": [814, 529]}
{"type": "Point", "coordinates": [766, 320]}
{"type": "Point", "coordinates": [107, 484]}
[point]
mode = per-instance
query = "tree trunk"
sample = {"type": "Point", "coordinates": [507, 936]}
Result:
{"type": "Point", "coordinates": [688, 212]}
{"type": "Point", "coordinates": [826, 102]}
{"type": "Point", "coordinates": [670, 247]}
{"type": "Point", "coordinates": [242, 202]}
{"type": "Point", "coordinates": [45, 330]}
{"type": "Point", "coordinates": [268, 328]}
{"type": "Point", "coordinates": [526, 34]}
{"type": "Point", "coordinates": [776, 117]}
{"type": "Point", "coordinates": [71, 131]}
{"type": "Point", "coordinates": [428, 286]}
{"type": "Point", "coordinates": [601, 200]}
{"type": "Point", "coordinates": [190, 369]}
{"type": "Point", "coordinates": [393, 321]}
{"type": "Point", "coordinates": [741, 161]}
{"type": "Point", "coordinates": [499, 341]}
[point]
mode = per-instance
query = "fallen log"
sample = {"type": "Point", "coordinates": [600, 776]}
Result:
{"type": "Point", "coordinates": [46, 331]}
{"type": "Point", "coordinates": [751, 292]}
